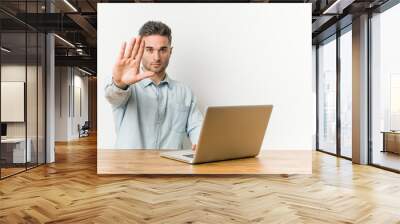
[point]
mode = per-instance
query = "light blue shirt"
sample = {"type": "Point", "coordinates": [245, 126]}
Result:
{"type": "Point", "coordinates": [150, 116]}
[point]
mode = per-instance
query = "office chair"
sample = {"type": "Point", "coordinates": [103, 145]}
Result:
{"type": "Point", "coordinates": [84, 130]}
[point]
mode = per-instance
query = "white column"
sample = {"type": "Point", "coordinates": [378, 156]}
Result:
{"type": "Point", "coordinates": [50, 110]}
{"type": "Point", "coordinates": [360, 90]}
{"type": "Point", "coordinates": [50, 92]}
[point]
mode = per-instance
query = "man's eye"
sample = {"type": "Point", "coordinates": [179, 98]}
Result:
{"type": "Point", "coordinates": [149, 50]}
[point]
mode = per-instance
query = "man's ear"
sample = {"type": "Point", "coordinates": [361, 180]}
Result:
{"type": "Point", "coordinates": [170, 52]}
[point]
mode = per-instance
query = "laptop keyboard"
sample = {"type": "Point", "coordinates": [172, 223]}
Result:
{"type": "Point", "coordinates": [189, 155]}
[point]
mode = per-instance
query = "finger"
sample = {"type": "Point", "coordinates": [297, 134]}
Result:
{"type": "Point", "coordinates": [122, 51]}
{"type": "Point", "coordinates": [136, 47]}
{"type": "Point", "coordinates": [141, 50]}
{"type": "Point", "coordinates": [129, 49]}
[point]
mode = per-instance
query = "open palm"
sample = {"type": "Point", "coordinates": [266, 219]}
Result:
{"type": "Point", "coordinates": [127, 67]}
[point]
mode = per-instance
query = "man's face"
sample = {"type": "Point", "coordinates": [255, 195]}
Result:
{"type": "Point", "coordinates": [157, 52]}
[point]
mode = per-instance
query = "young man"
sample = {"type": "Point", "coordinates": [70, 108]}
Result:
{"type": "Point", "coordinates": [151, 111]}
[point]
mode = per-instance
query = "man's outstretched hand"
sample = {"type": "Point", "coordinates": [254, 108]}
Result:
{"type": "Point", "coordinates": [126, 70]}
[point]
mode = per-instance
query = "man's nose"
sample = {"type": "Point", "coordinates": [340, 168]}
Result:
{"type": "Point", "coordinates": [157, 55]}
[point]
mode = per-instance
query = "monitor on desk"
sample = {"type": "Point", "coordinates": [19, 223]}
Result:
{"type": "Point", "coordinates": [3, 130]}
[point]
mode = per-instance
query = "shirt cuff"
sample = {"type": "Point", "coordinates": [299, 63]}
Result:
{"type": "Point", "coordinates": [118, 89]}
{"type": "Point", "coordinates": [194, 136]}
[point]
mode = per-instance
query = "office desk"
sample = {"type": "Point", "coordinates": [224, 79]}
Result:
{"type": "Point", "coordinates": [149, 162]}
{"type": "Point", "coordinates": [391, 141]}
{"type": "Point", "coordinates": [13, 150]}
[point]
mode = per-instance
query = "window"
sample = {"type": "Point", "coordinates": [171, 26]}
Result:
{"type": "Point", "coordinates": [385, 89]}
{"type": "Point", "coordinates": [327, 96]}
{"type": "Point", "coordinates": [346, 93]}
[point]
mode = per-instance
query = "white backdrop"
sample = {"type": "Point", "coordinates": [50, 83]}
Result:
{"type": "Point", "coordinates": [229, 54]}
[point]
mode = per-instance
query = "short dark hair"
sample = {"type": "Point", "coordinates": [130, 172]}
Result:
{"type": "Point", "coordinates": [155, 28]}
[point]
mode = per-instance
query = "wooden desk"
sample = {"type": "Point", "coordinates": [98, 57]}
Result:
{"type": "Point", "coordinates": [14, 150]}
{"type": "Point", "coordinates": [149, 162]}
{"type": "Point", "coordinates": [391, 141]}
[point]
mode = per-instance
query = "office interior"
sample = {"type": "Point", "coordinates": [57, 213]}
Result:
{"type": "Point", "coordinates": [48, 115]}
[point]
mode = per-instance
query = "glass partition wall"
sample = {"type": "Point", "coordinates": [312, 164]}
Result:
{"type": "Point", "coordinates": [22, 87]}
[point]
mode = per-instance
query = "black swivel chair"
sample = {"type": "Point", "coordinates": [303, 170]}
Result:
{"type": "Point", "coordinates": [84, 130]}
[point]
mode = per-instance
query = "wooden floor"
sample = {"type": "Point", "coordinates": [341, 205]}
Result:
{"type": "Point", "coordinates": [69, 191]}
{"type": "Point", "coordinates": [5, 172]}
{"type": "Point", "coordinates": [387, 159]}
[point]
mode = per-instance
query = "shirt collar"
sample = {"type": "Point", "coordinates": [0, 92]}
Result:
{"type": "Point", "coordinates": [147, 81]}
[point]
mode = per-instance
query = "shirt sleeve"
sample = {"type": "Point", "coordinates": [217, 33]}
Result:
{"type": "Point", "coordinates": [195, 121]}
{"type": "Point", "coordinates": [116, 96]}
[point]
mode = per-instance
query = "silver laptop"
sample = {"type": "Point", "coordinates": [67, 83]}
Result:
{"type": "Point", "coordinates": [227, 133]}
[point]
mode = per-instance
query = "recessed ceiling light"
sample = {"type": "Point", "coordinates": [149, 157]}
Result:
{"type": "Point", "coordinates": [70, 5]}
{"type": "Point", "coordinates": [5, 50]}
{"type": "Point", "coordinates": [64, 40]}
{"type": "Point", "coordinates": [338, 6]}
{"type": "Point", "coordinates": [84, 71]}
